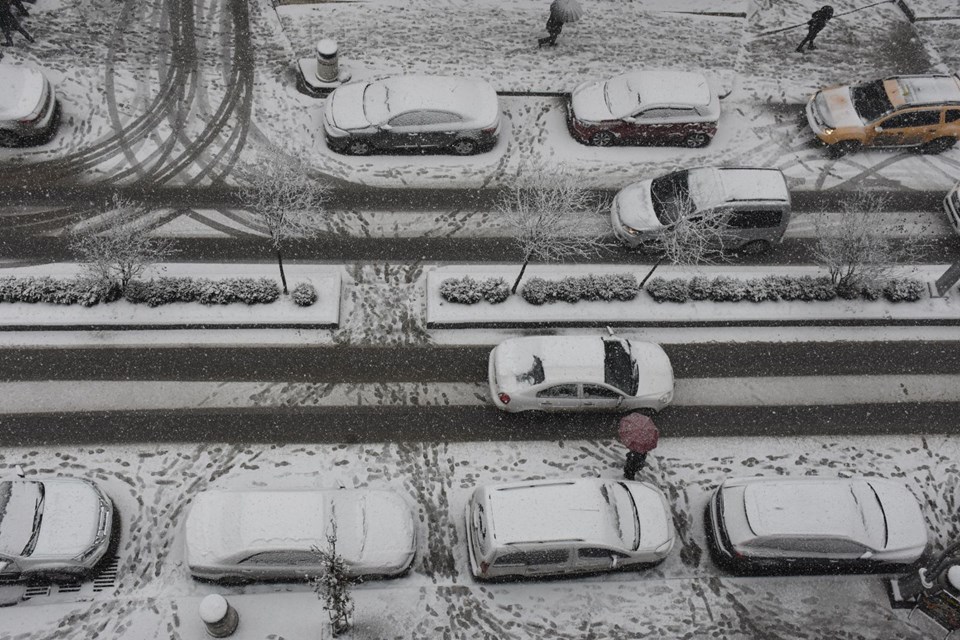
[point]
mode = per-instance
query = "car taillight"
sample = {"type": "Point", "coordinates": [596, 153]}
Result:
{"type": "Point", "coordinates": [490, 130]}
{"type": "Point", "coordinates": [504, 398]}
{"type": "Point", "coordinates": [483, 567]}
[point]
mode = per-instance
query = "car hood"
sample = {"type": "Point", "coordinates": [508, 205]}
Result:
{"type": "Point", "coordinates": [23, 90]}
{"type": "Point", "coordinates": [344, 108]}
{"type": "Point", "coordinates": [71, 515]}
{"type": "Point", "coordinates": [656, 524]}
{"type": "Point", "coordinates": [906, 527]}
{"type": "Point", "coordinates": [835, 107]}
{"type": "Point", "coordinates": [376, 532]}
{"type": "Point", "coordinates": [588, 104]}
{"type": "Point", "coordinates": [635, 205]}
{"type": "Point", "coordinates": [656, 372]}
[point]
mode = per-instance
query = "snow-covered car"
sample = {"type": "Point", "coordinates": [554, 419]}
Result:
{"type": "Point", "coordinates": [56, 529]}
{"type": "Point", "coordinates": [754, 204]}
{"type": "Point", "coordinates": [570, 373]}
{"type": "Point", "coordinates": [245, 536]}
{"type": "Point", "coordinates": [28, 106]}
{"type": "Point", "coordinates": [952, 206]}
{"type": "Point", "coordinates": [556, 527]}
{"type": "Point", "coordinates": [808, 522]}
{"type": "Point", "coordinates": [645, 107]}
{"type": "Point", "coordinates": [901, 111]}
{"type": "Point", "coordinates": [414, 112]}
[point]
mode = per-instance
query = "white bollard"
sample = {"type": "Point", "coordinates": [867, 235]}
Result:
{"type": "Point", "coordinates": [218, 616]}
{"type": "Point", "coordinates": [327, 62]}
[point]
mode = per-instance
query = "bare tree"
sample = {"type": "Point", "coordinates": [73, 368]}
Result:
{"type": "Point", "coordinates": [545, 210]}
{"type": "Point", "coordinates": [287, 201]}
{"type": "Point", "coordinates": [117, 247]}
{"type": "Point", "coordinates": [334, 584]}
{"type": "Point", "coordinates": [854, 248]}
{"type": "Point", "coordinates": [689, 237]}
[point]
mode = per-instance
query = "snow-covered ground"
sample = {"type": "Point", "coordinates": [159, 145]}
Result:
{"type": "Point", "coordinates": [686, 596]}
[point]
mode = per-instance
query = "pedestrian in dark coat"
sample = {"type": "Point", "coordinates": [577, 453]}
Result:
{"type": "Point", "coordinates": [635, 462]}
{"type": "Point", "coordinates": [554, 27]}
{"type": "Point", "coordinates": [22, 9]}
{"type": "Point", "coordinates": [9, 23]}
{"type": "Point", "coordinates": [815, 25]}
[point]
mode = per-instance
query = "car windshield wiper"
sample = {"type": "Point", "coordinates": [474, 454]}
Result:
{"type": "Point", "coordinates": [37, 520]}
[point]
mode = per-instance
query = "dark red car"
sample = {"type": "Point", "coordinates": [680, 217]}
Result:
{"type": "Point", "coordinates": [645, 107]}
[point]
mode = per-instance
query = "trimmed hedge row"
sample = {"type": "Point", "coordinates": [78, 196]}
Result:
{"type": "Point", "coordinates": [618, 286]}
{"type": "Point", "coordinates": [467, 290]}
{"type": "Point", "coordinates": [153, 293]}
{"type": "Point", "coordinates": [775, 288]}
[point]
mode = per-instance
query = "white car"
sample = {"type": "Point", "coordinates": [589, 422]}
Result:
{"type": "Point", "coordinates": [56, 529]}
{"type": "Point", "coordinates": [569, 373]}
{"type": "Point", "coordinates": [952, 206]}
{"type": "Point", "coordinates": [556, 527]}
{"type": "Point", "coordinates": [29, 111]}
{"type": "Point", "coordinates": [754, 204]}
{"type": "Point", "coordinates": [244, 536]}
{"type": "Point", "coordinates": [811, 522]}
{"type": "Point", "coordinates": [412, 113]}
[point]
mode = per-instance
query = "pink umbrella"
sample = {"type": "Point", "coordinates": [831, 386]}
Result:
{"type": "Point", "coordinates": [638, 432]}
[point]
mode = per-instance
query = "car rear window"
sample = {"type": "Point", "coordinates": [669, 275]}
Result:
{"type": "Point", "coordinates": [870, 100]}
{"type": "Point", "coordinates": [619, 368]}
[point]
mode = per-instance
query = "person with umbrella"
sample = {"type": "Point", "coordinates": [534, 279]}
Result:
{"type": "Point", "coordinates": [640, 435]}
{"type": "Point", "coordinates": [561, 11]}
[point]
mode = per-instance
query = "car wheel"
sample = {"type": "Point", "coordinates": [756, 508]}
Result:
{"type": "Point", "coordinates": [843, 148]}
{"type": "Point", "coordinates": [696, 140]}
{"type": "Point", "coordinates": [938, 145]}
{"type": "Point", "coordinates": [602, 139]}
{"type": "Point", "coordinates": [755, 247]}
{"type": "Point", "coordinates": [8, 139]}
{"type": "Point", "coordinates": [464, 147]}
{"type": "Point", "coordinates": [358, 148]}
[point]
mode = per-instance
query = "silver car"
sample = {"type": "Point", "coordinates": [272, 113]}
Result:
{"type": "Point", "coordinates": [244, 536]}
{"type": "Point", "coordinates": [56, 529]}
{"type": "Point", "coordinates": [29, 111]}
{"type": "Point", "coordinates": [759, 524]}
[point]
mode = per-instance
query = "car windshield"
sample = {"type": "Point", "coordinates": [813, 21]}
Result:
{"type": "Point", "coordinates": [670, 195]}
{"type": "Point", "coordinates": [627, 516]}
{"type": "Point", "coordinates": [21, 510]}
{"type": "Point", "coordinates": [870, 100]}
{"type": "Point", "coordinates": [376, 102]}
{"type": "Point", "coordinates": [619, 368]}
{"type": "Point", "coordinates": [621, 100]}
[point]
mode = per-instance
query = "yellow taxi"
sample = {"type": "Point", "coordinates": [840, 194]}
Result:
{"type": "Point", "coordinates": [920, 111]}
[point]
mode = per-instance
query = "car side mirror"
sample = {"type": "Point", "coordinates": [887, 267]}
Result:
{"type": "Point", "coordinates": [385, 127]}
{"type": "Point", "coordinates": [867, 555]}
{"type": "Point", "coordinates": [630, 119]}
{"type": "Point", "coordinates": [878, 129]}
{"type": "Point", "coordinates": [614, 562]}
{"type": "Point", "coordinates": [19, 471]}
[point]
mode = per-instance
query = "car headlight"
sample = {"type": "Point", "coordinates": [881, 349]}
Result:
{"type": "Point", "coordinates": [827, 131]}
{"type": "Point", "coordinates": [630, 231]}
{"type": "Point", "coordinates": [667, 397]}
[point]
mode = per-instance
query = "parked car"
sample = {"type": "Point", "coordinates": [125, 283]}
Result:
{"type": "Point", "coordinates": [414, 113]}
{"type": "Point", "coordinates": [556, 527]}
{"type": "Point", "coordinates": [757, 524]}
{"type": "Point", "coordinates": [56, 529]}
{"type": "Point", "coordinates": [901, 111]}
{"type": "Point", "coordinates": [754, 203]}
{"type": "Point", "coordinates": [244, 536]}
{"type": "Point", "coordinates": [645, 107]}
{"type": "Point", "coordinates": [952, 205]}
{"type": "Point", "coordinates": [569, 373]}
{"type": "Point", "coordinates": [29, 111]}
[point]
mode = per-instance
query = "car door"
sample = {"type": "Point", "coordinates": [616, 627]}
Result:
{"type": "Point", "coordinates": [273, 565]}
{"type": "Point", "coordinates": [405, 131]}
{"type": "Point", "coordinates": [663, 124]}
{"type": "Point", "coordinates": [559, 397]}
{"type": "Point", "coordinates": [598, 559]}
{"type": "Point", "coordinates": [748, 224]}
{"type": "Point", "coordinates": [548, 561]}
{"type": "Point", "coordinates": [907, 128]}
{"type": "Point", "coordinates": [600, 397]}
{"type": "Point", "coordinates": [440, 128]}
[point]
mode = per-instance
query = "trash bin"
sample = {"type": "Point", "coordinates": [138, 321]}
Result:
{"type": "Point", "coordinates": [218, 616]}
{"type": "Point", "coordinates": [327, 63]}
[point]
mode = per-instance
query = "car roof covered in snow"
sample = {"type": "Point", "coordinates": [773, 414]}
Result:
{"type": "Point", "coordinates": [807, 507]}
{"type": "Point", "coordinates": [923, 89]}
{"type": "Point", "coordinates": [472, 98]}
{"type": "Point", "coordinates": [753, 184]}
{"type": "Point", "coordinates": [553, 510]}
{"type": "Point", "coordinates": [521, 361]}
{"type": "Point", "coordinates": [669, 87]}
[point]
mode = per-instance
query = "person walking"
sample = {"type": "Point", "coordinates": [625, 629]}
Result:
{"type": "Point", "coordinates": [635, 462]}
{"type": "Point", "coordinates": [9, 24]}
{"type": "Point", "coordinates": [554, 27]}
{"type": "Point", "coordinates": [22, 9]}
{"type": "Point", "coordinates": [815, 25]}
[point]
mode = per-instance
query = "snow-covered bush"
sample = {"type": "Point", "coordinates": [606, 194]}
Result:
{"type": "Point", "coordinates": [872, 291]}
{"type": "Point", "coordinates": [755, 290]}
{"type": "Point", "coordinates": [160, 291]}
{"type": "Point", "coordinates": [536, 291]}
{"type": "Point", "coordinates": [82, 291]}
{"type": "Point", "coordinates": [699, 288]}
{"type": "Point", "coordinates": [727, 289]}
{"type": "Point", "coordinates": [467, 290]}
{"type": "Point", "coordinates": [304, 294]}
{"type": "Point", "coordinates": [575, 288]}
{"type": "Point", "coordinates": [903, 290]}
{"type": "Point", "coordinates": [663, 290]}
